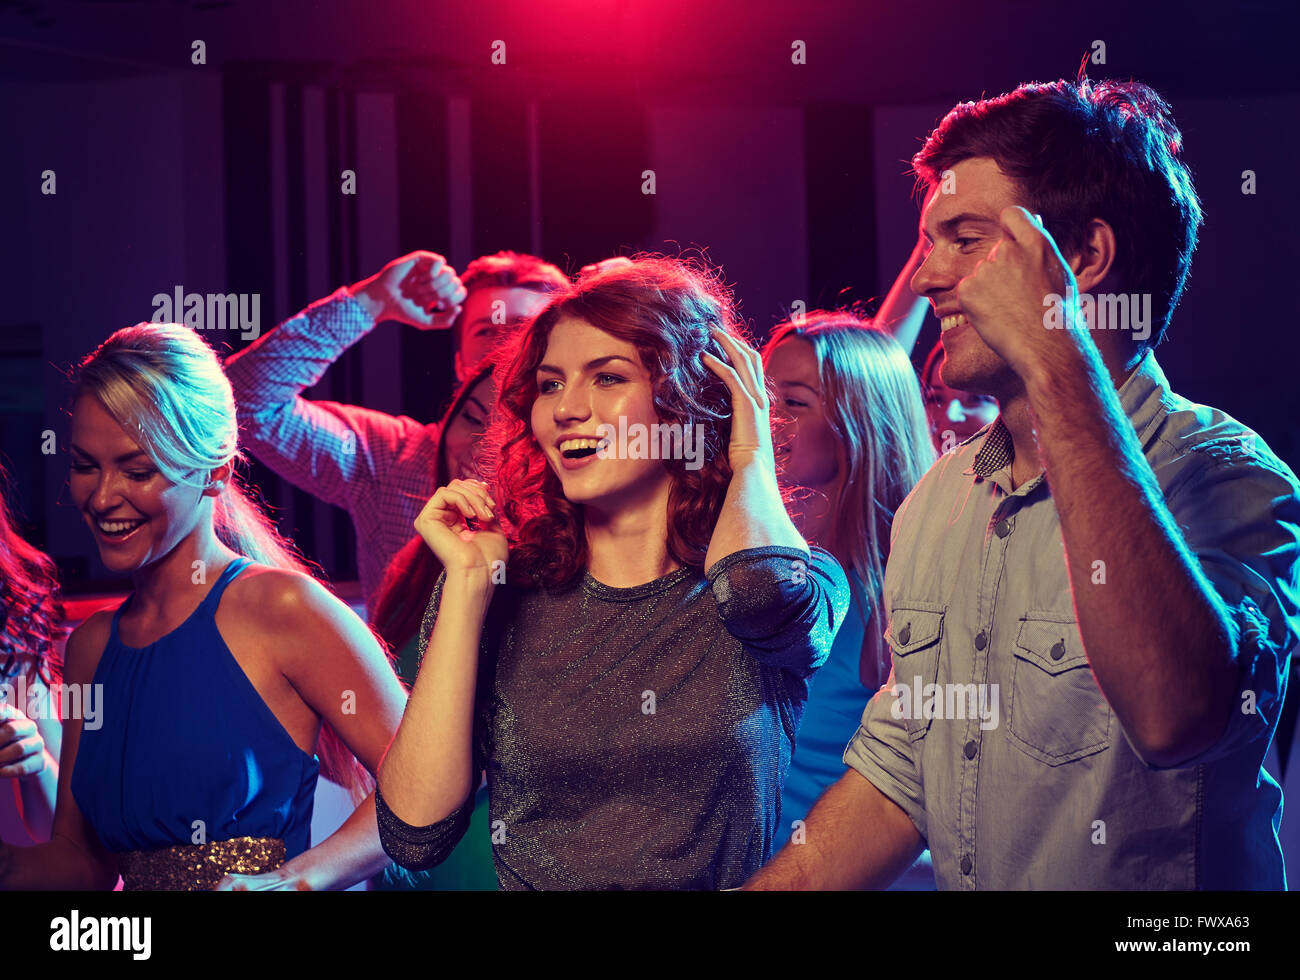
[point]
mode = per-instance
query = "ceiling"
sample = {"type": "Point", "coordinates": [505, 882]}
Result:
{"type": "Point", "coordinates": [668, 49]}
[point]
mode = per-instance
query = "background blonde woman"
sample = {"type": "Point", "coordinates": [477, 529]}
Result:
{"type": "Point", "coordinates": [856, 441]}
{"type": "Point", "coordinates": [220, 670]}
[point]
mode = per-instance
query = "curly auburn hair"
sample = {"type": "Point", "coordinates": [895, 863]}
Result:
{"type": "Point", "coordinates": [667, 308]}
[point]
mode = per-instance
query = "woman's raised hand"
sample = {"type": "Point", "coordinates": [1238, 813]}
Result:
{"type": "Point", "coordinates": [444, 524]}
{"type": "Point", "coordinates": [751, 427]}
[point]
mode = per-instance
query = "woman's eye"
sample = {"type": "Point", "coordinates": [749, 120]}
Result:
{"type": "Point", "coordinates": [471, 419]}
{"type": "Point", "coordinates": [608, 379]}
{"type": "Point", "coordinates": [140, 475]}
{"type": "Point", "coordinates": [82, 467]}
{"type": "Point", "coordinates": [544, 387]}
{"type": "Point", "coordinates": [792, 403]}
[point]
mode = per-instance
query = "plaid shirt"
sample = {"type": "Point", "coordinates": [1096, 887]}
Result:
{"type": "Point", "coordinates": [379, 468]}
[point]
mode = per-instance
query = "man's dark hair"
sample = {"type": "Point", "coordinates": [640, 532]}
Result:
{"type": "Point", "coordinates": [1082, 150]}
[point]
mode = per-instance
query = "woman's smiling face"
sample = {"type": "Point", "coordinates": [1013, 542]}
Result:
{"type": "Point", "coordinates": [136, 514]}
{"type": "Point", "coordinates": [589, 379]}
{"type": "Point", "coordinates": [811, 452]}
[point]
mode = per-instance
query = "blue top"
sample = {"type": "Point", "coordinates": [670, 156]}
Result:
{"type": "Point", "coordinates": [188, 739]}
{"type": "Point", "coordinates": [832, 715]}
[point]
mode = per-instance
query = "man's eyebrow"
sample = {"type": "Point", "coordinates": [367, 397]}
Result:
{"type": "Point", "coordinates": [949, 225]}
{"type": "Point", "coordinates": [589, 366]}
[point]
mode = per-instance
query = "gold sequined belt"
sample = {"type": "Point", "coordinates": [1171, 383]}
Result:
{"type": "Point", "coordinates": [198, 867]}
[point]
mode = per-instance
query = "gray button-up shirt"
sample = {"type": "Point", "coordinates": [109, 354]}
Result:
{"type": "Point", "coordinates": [992, 734]}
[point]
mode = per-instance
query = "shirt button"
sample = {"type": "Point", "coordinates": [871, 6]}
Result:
{"type": "Point", "coordinates": [1003, 528]}
{"type": "Point", "coordinates": [1058, 649]}
{"type": "Point", "coordinates": [971, 749]}
{"type": "Point", "coordinates": [905, 634]}
{"type": "Point", "coordinates": [981, 641]}
{"type": "Point", "coordinates": [966, 865]}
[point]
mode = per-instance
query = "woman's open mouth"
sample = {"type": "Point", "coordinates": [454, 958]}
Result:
{"type": "Point", "coordinates": [117, 531]}
{"type": "Point", "coordinates": [577, 453]}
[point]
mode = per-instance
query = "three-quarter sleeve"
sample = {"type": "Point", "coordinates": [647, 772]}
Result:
{"type": "Point", "coordinates": [421, 848]}
{"type": "Point", "coordinates": [784, 605]}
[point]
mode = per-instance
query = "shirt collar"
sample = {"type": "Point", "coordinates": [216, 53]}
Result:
{"type": "Point", "coordinates": [1142, 397]}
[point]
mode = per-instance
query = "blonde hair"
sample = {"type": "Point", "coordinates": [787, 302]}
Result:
{"type": "Point", "coordinates": [166, 388]}
{"type": "Point", "coordinates": [873, 405]}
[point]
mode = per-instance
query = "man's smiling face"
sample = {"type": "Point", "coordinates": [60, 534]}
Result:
{"type": "Point", "coordinates": [960, 228]}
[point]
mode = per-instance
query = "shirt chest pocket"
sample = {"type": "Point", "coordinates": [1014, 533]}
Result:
{"type": "Point", "coordinates": [1057, 713]}
{"type": "Point", "coordinates": [914, 634]}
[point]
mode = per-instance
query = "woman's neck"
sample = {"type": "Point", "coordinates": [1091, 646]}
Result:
{"type": "Point", "coordinates": [175, 584]}
{"type": "Point", "coordinates": [629, 546]}
{"type": "Point", "coordinates": [815, 515]}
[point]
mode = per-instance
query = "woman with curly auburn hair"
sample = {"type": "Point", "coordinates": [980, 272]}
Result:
{"type": "Point", "coordinates": [627, 623]}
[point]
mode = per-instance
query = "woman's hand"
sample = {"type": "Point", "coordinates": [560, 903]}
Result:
{"type": "Point", "coordinates": [444, 526]}
{"type": "Point", "coordinates": [22, 750]}
{"type": "Point", "coordinates": [751, 426]}
{"type": "Point", "coordinates": [270, 881]}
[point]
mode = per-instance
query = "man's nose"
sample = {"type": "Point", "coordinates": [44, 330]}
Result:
{"type": "Point", "coordinates": [934, 276]}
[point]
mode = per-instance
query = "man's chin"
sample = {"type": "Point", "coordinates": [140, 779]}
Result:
{"type": "Point", "coordinates": [980, 377]}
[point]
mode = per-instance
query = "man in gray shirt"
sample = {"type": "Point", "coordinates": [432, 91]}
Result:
{"type": "Point", "coordinates": [1092, 602]}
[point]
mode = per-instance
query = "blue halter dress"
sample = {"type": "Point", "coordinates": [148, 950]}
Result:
{"type": "Point", "coordinates": [185, 751]}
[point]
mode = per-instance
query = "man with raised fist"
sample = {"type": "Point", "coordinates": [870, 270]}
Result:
{"type": "Point", "coordinates": [380, 468]}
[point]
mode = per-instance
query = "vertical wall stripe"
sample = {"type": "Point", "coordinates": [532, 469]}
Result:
{"type": "Point", "coordinates": [534, 180]}
{"type": "Point", "coordinates": [460, 186]}
{"type": "Point", "coordinates": [841, 208]}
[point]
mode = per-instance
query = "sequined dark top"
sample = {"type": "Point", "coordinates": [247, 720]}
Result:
{"type": "Point", "coordinates": [638, 737]}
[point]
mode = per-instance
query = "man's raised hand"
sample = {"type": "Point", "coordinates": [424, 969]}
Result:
{"type": "Point", "coordinates": [419, 288]}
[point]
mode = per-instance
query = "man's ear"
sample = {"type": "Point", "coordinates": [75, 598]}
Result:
{"type": "Point", "coordinates": [218, 479]}
{"type": "Point", "coordinates": [1095, 260]}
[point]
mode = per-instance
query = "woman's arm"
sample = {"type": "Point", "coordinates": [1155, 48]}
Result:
{"type": "Point", "coordinates": [73, 859]}
{"type": "Point", "coordinates": [784, 602]}
{"type": "Point", "coordinates": [341, 672]}
{"type": "Point", "coordinates": [753, 514]}
{"type": "Point", "coordinates": [428, 773]}
{"type": "Point", "coordinates": [903, 312]}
